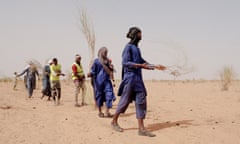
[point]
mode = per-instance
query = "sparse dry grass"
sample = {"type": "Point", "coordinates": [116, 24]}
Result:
{"type": "Point", "coordinates": [88, 31]}
{"type": "Point", "coordinates": [6, 79]}
{"type": "Point", "coordinates": [227, 75]}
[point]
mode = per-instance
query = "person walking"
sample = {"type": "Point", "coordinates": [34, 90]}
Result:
{"type": "Point", "coordinates": [46, 91]}
{"type": "Point", "coordinates": [15, 81]}
{"type": "Point", "coordinates": [132, 86]}
{"type": "Point", "coordinates": [56, 72]}
{"type": "Point", "coordinates": [102, 75]}
{"type": "Point", "coordinates": [31, 74]}
{"type": "Point", "coordinates": [78, 78]}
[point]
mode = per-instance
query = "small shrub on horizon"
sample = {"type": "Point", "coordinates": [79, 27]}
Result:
{"type": "Point", "coordinates": [227, 75]}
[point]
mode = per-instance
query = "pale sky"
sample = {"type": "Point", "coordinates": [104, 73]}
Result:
{"type": "Point", "coordinates": [203, 35]}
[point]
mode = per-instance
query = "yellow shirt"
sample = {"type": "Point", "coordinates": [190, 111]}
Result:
{"type": "Point", "coordinates": [55, 69]}
{"type": "Point", "coordinates": [79, 71]}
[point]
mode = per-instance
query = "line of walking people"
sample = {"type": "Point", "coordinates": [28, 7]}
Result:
{"type": "Point", "coordinates": [131, 88]}
{"type": "Point", "coordinates": [101, 75]}
{"type": "Point", "coordinates": [51, 86]}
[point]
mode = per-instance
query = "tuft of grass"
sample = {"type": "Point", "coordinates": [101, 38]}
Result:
{"type": "Point", "coordinates": [227, 75]}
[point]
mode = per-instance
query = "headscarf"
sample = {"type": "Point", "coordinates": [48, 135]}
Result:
{"type": "Point", "coordinates": [104, 61]}
{"type": "Point", "coordinates": [50, 61]}
{"type": "Point", "coordinates": [101, 55]}
{"type": "Point", "coordinates": [32, 66]}
{"type": "Point", "coordinates": [133, 35]}
{"type": "Point", "coordinates": [77, 56]}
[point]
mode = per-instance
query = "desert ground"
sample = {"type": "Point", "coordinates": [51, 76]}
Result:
{"type": "Point", "coordinates": [179, 112]}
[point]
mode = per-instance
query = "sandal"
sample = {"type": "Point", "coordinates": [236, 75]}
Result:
{"type": "Point", "coordinates": [116, 127]}
{"type": "Point", "coordinates": [101, 115]}
{"type": "Point", "coordinates": [146, 133]}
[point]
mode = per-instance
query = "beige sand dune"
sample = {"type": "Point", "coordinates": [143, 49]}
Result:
{"type": "Point", "coordinates": [178, 113]}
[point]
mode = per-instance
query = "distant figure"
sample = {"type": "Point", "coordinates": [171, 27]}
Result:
{"type": "Point", "coordinates": [55, 80]}
{"type": "Point", "coordinates": [46, 91]}
{"type": "Point", "coordinates": [132, 86]}
{"type": "Point", "coordinates": [31, 73]}
{"type": "Point", "coordinates": [78, 78]}
{"type": "Point", "coordinates": [15, 81]}
{"type": "Point", "coordinates": [102, 74]}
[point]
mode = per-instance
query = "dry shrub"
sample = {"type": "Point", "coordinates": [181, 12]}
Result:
{"type": "Point", "coordinates": [88, 31]}
{"type": "Point", "coordinates": [227, 75]}
{"type": "Point", "coordinates": [5, 79]}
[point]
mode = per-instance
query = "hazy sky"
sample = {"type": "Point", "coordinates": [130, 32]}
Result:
{"type": "Point", "coordinates": [199, 35]}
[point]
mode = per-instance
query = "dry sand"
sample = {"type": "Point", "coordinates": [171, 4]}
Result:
{"type": "Point", "coordinates": [180, 113]}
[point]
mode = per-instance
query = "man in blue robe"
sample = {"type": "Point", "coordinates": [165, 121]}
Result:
{"type": "Point", "coordinates": [132, 87]}
{"type": "Point", "coordinates": [102, 75]}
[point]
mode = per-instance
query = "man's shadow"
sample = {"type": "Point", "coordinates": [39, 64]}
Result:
{"type": "Point", "coordinates": [168, 124]}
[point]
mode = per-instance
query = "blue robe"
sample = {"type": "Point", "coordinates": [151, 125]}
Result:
{"type": "Point", "coordinates": [132, 86]}
{"type": "Point", "coordinates": [30, 79]}
{"type": "Point", "coordinates": [102, 85]}
{"type": "Point", "coordinates": [132, 55]}
{"type": "Point", "coordinates": [46, 81]}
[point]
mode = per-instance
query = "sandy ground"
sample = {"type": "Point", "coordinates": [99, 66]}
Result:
{"type": "Point", "coordinates": [178, 113]}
